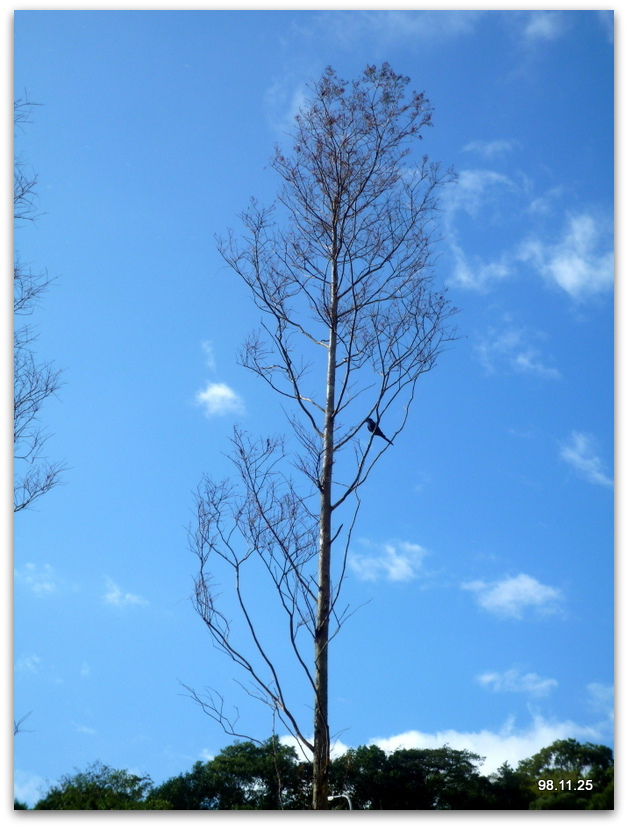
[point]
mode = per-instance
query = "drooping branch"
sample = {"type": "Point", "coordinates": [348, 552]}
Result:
{"type": "Point", "coordinates": [266, 521]}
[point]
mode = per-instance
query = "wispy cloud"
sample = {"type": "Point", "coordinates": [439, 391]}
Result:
{"type": "Point", "coordinates": [602, 699]}
{"type": "Point", "coordinates": [544, 26]}
{"type": "Point", "coordinates": [510, 597]}
{"type": "Point", "coordinates": [478, 193]}
{"type": "Point", "coordinates": [475, 189]}
{"type": "Point", "coordinates": [607, 22]}
{"type": "Point", "coordinates": [514, 349]}
{"type": "Point", "coordinates": [579, 260]}
{"type": "Point", "coordinates": [426, 26]}
{"type": "Point", "coordinates": [336, 748]}
{"type": "Point", "coordinates": [474, 273]}
{"type": "Point", "coordinates": [491, 149]}
{"type": "Point", "coordinates": [218, 399]}
{"type": "Point", "coordinates": [28, 787]}
{"type": "Point", "coordinates": [28, 664]}
{"type": "Point", "coordinates": [528, 361]}
{"type": "Point", "coordinates": [208, 350]}
{"type": "Point", "coordinates": [579, 263]}
{"type": "Point", "coordinates": [117, 598]}
{"type": "Point", "coordinates": [413, 27]}
{"type": "Point", "coordinates": [508, 744]}
{"type": "Point", "coordinates": [400, 561]}
{"type": "Point", "coordinates": [513, 681]}
{"type": "Point", "coordinates": [373, 29]}
{"type": "Point", "coordinates": [580, 452]}
{"type": "Point", "coordinates": [40, 579]}
{"type": "Point", "coordinates": [545, 204]}
{"type": "Point", "coordinates": [89, 731]}
{"type": "Point", "coordinates": [282, 101]}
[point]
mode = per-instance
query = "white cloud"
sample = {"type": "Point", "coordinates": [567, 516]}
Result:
{"type": "Point", "coordinates": [578, 263]}
{"type": "Point", "coordinates": [89, 731]}
{"type": "Point", "coordinates": [34, 665]}
{"type": "Point", "coordinates": [544, 204]}
{"type": "Point", "coordinates": [490, 149]}
{"type": "Point", "coordinates": [512, 681]}
{"type": "Point", "coordinates": [399, 561]}
{"type": "Point", "coordinates": [473, 189]}
{"type": "Point", "coordinates": [607, 22]}
{"type": "Point", "coordinates": [480, 194]}
{"type": "Point", "coordinates": [375, 28]}
{"type": "Point", "coordinates": [28, 664]}
{"type": "Point", "coordinates": [282, 100]}
{"type": "Point", "coordinates": [602, 699]}
{"type": "Point", "coordinates": [528, 362]}
{"type": "Point", "coordinates": [336, 749]}
{"type": "Point", "coordinates": [508, 744]}
{"type": "Point", "coordinates": [28, 787]}
{"type": "Point", "coordinates": [117, 598]}
{"type": "Point", "coordinates": [515, 349]}
{"type": "Point", "coordinates": [41, 580]}
{"type": "Point", "coordinates": [218, 399]}
{"type": "Point", "coordinates": [208, 350]}
{"type": "Point", "coordinates": [475, 274]}
{"type": "Point", "coordinates": [511, 596]}
{"type": "Point", "coordinates": [544, 25]}
{"type": "Point", "coordinates": [579, 452]}
{"type": "Point", "coordinates": [425, 27]}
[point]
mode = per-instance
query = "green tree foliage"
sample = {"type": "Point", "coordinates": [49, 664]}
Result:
{"type": "Point", "coordinates": [604, 799]}
{"type": "Point", "coordinates": [508, 790]}
{"type": "Point", "coordinates": [244, 775]}
{"type": "Point", "coordinates": [270, 776]}
{"type": "Point", "coordinates": [101, 788]}
{"type": "Point", "coordinates": [190, 791]}
{"type": "Point", "coordinates": [414, 779]}
{"type": "Point", "coordinates": [570, 776]}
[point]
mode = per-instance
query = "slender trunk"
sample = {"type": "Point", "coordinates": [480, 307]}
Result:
{"type": "Point", "coordinates": [320, 792]}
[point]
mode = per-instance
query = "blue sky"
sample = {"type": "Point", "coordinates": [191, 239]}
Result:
{"type": "Point", "coordinates": [482, 563]}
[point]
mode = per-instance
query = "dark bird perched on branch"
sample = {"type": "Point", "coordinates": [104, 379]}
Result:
{"type": "Point", "coordinates": [376, 430]}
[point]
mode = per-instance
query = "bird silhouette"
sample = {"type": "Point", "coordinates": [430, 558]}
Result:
{"type": "Point", "coordinates": [376, 430]}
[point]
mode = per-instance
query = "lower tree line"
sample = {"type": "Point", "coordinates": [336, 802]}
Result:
{"type": "Point", "coordinates": [567, 775]}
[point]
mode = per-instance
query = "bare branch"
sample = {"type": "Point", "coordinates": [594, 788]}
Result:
{"type": "Point", "coordinates": [34, 382]}
{"type": "Point", "coordinates": [342, 269]}
{"type": "Point", "coordinates": [17, 725]}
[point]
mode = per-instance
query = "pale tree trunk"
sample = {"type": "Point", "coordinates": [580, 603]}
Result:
{"type": "Point", "coordinates": [320, 789]}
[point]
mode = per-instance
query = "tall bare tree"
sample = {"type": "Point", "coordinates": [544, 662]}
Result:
{"type": "Point", "coordinates": [33, 381]}
{"type": "Point", "coordinates": [341, 268]}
